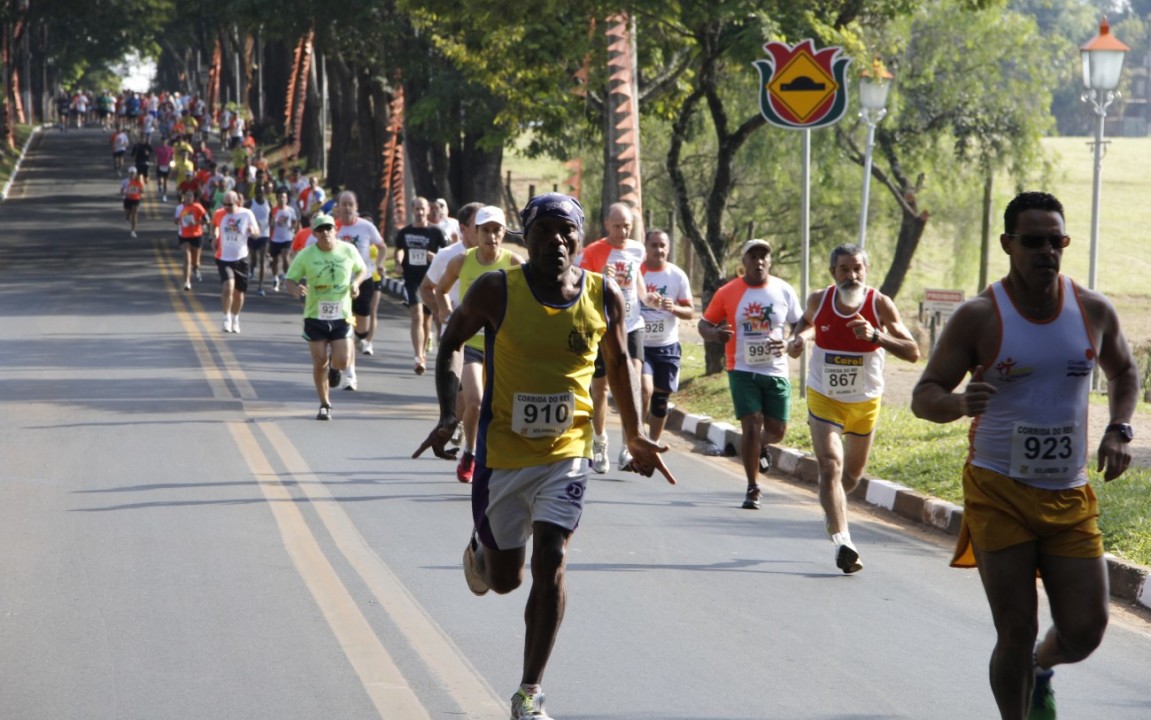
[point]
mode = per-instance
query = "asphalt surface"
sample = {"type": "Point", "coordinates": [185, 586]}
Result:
{"type": "Point", "coordinates": [179, 538]}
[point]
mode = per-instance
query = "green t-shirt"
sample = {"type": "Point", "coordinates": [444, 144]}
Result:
{"type": "Point", "coordinates": [329, 277]}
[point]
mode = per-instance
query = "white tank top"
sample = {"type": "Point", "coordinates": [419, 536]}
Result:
{"type": "Point", "coordinates": [1035, 427]}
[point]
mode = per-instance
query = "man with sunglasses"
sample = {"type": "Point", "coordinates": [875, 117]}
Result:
{"type": "Point", "coordinates": [1031, 342]}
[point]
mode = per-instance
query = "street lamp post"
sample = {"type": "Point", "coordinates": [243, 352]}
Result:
{"type": "Point", "coordinates": [873, 87]}
{"type": "Point", "coordinates": [1102, 67]}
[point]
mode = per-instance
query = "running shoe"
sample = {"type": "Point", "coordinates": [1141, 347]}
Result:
{"type": "Point", "coordinates": [334, 377]}
{"type": "Point", "coordinates": [325, 413]}
{"type": "Point", "coordinates": [187, 286]}
{"type": "Point", "coordinates": [623, 462]}
{"type": "Point", "coordinates": [350, 382]}
{"type": "Point", "coordinates": [236, 326]}
{"type": "Point", "coordinates": [199, 277]}
{"type": "Point", "coordinates": [163, 198]}
{"type": "Point", "coordinates": [751, 499]}
{"type": "Point", "coordinates": [260, 292]}
{"type": "Point", "coordinates": [228, 324]}
{"type": "Point", "coordinates": [466, 467]}
{"type": "Point", "coordinates": [529, 706]}
{"type": "Point", "coordinates": [599, 459]}
{"type": "Point", "coordinates": [1042, 698]}
{"type": "Point", "coordinates": [457, 434]}
{"type": "Point", "coordinates": [847, 558]}
{"type": "Point", "coordinates": [360, 344]}
{"type": "Point", "coordinates": [764, 460]}
{"type": "Point", "coordinates": [133, 233]}
{"type": "Point", "coordinates": [473, 573]}
{"type": "Point", "coordinates": [276, 285]}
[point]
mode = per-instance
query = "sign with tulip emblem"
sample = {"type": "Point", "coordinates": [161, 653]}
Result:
{"type": "Point", "coordinates": [801, 87]}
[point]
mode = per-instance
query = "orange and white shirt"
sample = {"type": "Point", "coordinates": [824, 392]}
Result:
{"type": "Point", "coordinates": [234, 230]}
{"type": "Point", "coordinates": [190, 220]}
{"type": "Point", "coordinates": [758, 314]}
{"type": "Point", "coordinates": [132, 189]}
{"type": "Point", "coordinates": [627, 262]}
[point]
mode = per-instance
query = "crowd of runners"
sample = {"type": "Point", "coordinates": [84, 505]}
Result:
{"type": "Point", "coordinates": [528, 346]}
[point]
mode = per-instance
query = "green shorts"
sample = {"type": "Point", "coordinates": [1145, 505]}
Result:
{"type": "Point", "coordinates": [756, 393]}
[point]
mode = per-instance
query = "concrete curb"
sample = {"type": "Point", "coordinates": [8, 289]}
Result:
{"type": "Point", "coordinates": [16, 168]}
{"type": "Point", "coordinates": [1129, 581]}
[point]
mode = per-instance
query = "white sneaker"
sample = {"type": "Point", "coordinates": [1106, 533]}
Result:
{"type": "Point", "coordinates": [367, 348]}
{"type": "Point", "coordinates": [529, 706]}
{"type": "Point", "coordinates": [599, 461]}
{"type": "Point", "coordinates": [349, 382]}
{"type": "Point", "coordinates": [236, 326]}
{"type": "Point", "coordinates": [846, 556]}
{"type": "Point", "coordinates": [133, 233]}
{"type": "Point", "coordinates": [228, 324]}
{"type": "Point", "coordinates": [187, 286]}
{"type": "Point", "coordinates": [276, 285]}
{"type": "Point", "coordinates": [623, 462]}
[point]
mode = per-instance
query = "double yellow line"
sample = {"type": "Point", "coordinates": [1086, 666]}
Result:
{"type": "Point", "coordinates": [382, 679]}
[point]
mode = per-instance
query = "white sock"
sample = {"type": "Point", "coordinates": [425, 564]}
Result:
{"type": "Point", "coordinates": [529, 689]}
{"type": "Point", "coordinates": [843, 538]}
{"type": "Point", "coordinates": [601, 439]}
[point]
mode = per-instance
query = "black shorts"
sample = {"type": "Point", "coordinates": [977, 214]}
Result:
{"type": "Point", "coordinates": [412, 293]}
{"type": "Point", "coordinates": [278, 248]}
{"type": "Point", "coordinates": [471, 355]}
{"type": "Point", "coordinates": [118, 153]}
{"type": "Point", "coordinates": [326, 330]}
{"type": "Point", "coordinates": [196, 242]}
{"type": "Point", "coordinates": [129, 203]}
{"type": "Point", "coordinates": [362, 303]}
{"type": "Point", "coordinates": [662, 363]}
{"type": "Point", "coordinates": [163, 172]}
{"type": "Point", "coordinates": [634, 351]}
{"type": "Point", "coordinates": [234, 270]}
{"type": "Point", "coordinates": [255, 244]}
{"type": "Point", "coordinates": [143, 170]}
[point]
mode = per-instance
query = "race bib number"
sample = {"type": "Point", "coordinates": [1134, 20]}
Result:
{"type": "Point", "coordinates": [1044, 451]}
{"type": "Point", "coordinates": [331, 310]}
{"type": "Point", "coordinates": [758, 352]}
{"type": "Point", "coordinates": [842, 375]}
{"type": "Point", "coordinates": [538, 416]}
{"type": "Point", "coordinates": [417, 257]}
{"type": "Point", "coordinates": [657, 332]}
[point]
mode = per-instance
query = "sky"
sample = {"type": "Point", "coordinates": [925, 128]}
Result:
{"type": "Point", "coordinates": [139, 73]}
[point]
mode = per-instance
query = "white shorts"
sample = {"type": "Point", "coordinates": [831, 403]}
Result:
{"type": "Point", "coordinates": [505, 502]}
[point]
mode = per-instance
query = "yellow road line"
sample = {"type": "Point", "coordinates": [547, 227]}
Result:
{"type": "Point", "coordinates": [437, 650]}
{"type": "Point", "coordinates": [385, 684]}
{"type": "Point", "coordinates": [381, 678]}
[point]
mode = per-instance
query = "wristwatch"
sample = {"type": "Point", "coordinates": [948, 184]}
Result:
{"type": "Point", "coordinates": [1126, 432]}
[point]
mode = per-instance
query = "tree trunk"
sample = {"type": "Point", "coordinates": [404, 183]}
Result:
{"type": "Point", "coordinates": [345, 131]}
{"type": "Point", "coordinates": [311, 135]}
{"type": "Point", "coordinates": [911, 228]}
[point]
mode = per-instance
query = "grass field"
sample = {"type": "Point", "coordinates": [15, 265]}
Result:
{"type": "Point", "coordinates": [928, 457]}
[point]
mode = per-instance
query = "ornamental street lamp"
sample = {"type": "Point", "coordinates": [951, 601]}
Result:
{"type": "Point", "coordinates": [873, 87]}
{"type": "Point", "coordinates": [1102, 67]}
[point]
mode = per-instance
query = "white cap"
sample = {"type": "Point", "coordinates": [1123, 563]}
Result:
{"type": "Point", "coordinates": [753, 243]}
{"type": "Point", "coordinates": [490, 213]}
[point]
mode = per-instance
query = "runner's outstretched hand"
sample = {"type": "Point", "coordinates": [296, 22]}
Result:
{"type": "Point", "coordinates": [437, 440]}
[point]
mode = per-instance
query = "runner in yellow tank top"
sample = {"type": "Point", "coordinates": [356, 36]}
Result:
{"type": "Point", "coordinates": [544, 323]}
{"type": "Point", "coordinates": [486, 256]}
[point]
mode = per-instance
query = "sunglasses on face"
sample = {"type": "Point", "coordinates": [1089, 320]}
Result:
{"type": "Point", "coordinates": [1034, 242]}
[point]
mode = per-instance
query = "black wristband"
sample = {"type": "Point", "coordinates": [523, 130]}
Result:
{"type": "Point", "coordinates": [874, 336]}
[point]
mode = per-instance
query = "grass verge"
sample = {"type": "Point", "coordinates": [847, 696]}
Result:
{"type": "Point", "coordinates": [9, 157]}
{"type": "Point", "coordinates": [928, 457]}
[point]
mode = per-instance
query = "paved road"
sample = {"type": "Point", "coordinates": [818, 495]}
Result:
{"type": "Point", "coordinates": [180, 539]}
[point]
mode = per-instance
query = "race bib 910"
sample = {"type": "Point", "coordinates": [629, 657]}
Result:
{"type": "Point", "coordinates": [542, 415]}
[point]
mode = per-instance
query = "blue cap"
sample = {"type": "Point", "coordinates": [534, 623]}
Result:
{"type": "Point", "coordinates": [553, 205]}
